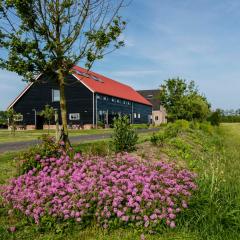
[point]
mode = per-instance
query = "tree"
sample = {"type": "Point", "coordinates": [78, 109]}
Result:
{"type": "Point", "coordinates": [183, 101]}
{"type": "Point", "coordinates": [51, 36]}
{"type": "Point", "coordinates": [215, 117]}
{"type": "Point", "coordinates": [48, 113]}
{"type": "Point", "coordinates": [12, 117]}
{"type": "Point", "coordinates": [3, 118]}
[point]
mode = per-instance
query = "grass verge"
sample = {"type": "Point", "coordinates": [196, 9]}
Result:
{"type": "Point", "coordinates": [213, 214]}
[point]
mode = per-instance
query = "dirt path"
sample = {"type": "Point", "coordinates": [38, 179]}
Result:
{"type": "Point", "coordinates": [14, 146]}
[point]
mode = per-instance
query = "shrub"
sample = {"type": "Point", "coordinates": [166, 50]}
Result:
{"type": "Point", "coordinates": [158, 138]}
{"type": "Point", "coordinates": [215, 118]}
{"type": "Point", "coordinates": [181, 124]}
{"type": "Point", "coordinates": [173, 129]}
{"type": "Point", "coordinates": [194, 125]}
{"type": "Point", "coordinates": [206, 127]}
{"type": "Point", "coordinates": [124, 137]}
{"type": "Point", "coordinates": [100, 124]}
{"type": "Point", "coordinates": [28, 159]}
{"type": "Point", "coordinates": [113, 192]}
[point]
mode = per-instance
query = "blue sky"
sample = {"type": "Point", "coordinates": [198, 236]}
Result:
{"type": "Point", "coordinates": [196, 40]}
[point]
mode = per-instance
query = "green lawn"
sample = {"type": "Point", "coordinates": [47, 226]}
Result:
{"type": "Point", "coordinates": [214, 213]}
{"type": "Point", "coordinates": [25, 135]}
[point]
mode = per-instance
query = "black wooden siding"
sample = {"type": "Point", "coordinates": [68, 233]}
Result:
{"type": "Point", "coordinates": [79, 100]}
{"type": "Point", "coordinates": [122, 107]}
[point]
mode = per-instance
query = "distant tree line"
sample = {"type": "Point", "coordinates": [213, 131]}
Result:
{"type": "Point", "coordinates": [183, 100]}
{"type": "Point", "coordinates": [229, 115]}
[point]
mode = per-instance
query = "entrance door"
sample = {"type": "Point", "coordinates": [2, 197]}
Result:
{"type": "Point", "coordinates": [39, 122]}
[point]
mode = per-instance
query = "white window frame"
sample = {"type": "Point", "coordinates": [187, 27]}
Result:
{"type": "Point", "coordinates": [135, 115]}
{"type": "Point", "coordinates": [18, 118]}
{"type": "Point", "coordinates": [54, 91]}
{"type": "Point", "coordinates": [74, 116]}
{"type": "Point", "coordinates": [139, 115]}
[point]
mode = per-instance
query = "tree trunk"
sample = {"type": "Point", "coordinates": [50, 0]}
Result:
{"type": "Point", "coordinates": [48, 126]}
{"type": "Point", "coordinates": [63, 108]}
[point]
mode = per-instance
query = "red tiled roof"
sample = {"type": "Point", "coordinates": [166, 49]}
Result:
{"type": "Point", "coordinates": [101, 84]}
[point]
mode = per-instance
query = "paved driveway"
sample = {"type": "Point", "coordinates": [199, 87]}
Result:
{"type": "Point", "coordinates": [13, 146]}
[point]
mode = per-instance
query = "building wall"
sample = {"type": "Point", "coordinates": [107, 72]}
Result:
{"type": "Point", "coordinates": [79, 100]}
{"type": "Point", "coordinates": [91, 107]}
{"type": "Point", "coordinates": [109, 107]}
{"type": "Point", "coordinates": [159, 116]}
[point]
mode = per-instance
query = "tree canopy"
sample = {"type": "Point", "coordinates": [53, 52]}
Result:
{"type": "Point", "coordinates": [51, 36]}
{"type": "Point", "coordinates": [183, 101]}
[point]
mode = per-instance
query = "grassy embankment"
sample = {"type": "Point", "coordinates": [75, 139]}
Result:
{"type": "Point", "coordinates": [214, 212]}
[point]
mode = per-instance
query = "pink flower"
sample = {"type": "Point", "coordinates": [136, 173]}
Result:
{"type": "Point", "coordinates": [146, 224]}
{"type": "Point", "coordinates": [142, 237]}
{"type": "Point", "coordinates": [172, 225]}
{"type": "Point", "coordinates": [102, 188]}
{"type": "Point", "coordinates": [12, 229]}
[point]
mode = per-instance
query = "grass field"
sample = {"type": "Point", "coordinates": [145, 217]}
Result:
{"type": "Point", "coordinates": [214, 212]}
{"type": "Point", "coordinates": [25, 135]}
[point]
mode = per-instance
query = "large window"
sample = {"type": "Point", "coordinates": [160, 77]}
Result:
{"type": "Point", "coordinates": [74, 116]}
{"type": "Point", "coordinates": [18, 118]}
{"type": "Point", "coordinates": [55, 95]}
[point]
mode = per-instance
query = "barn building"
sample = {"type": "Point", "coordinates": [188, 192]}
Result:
{"type": "Point", "coordinates": [91, 98]}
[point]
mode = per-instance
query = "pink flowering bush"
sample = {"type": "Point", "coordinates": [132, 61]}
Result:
{"type": "Point", "coordinates": [120, 190]}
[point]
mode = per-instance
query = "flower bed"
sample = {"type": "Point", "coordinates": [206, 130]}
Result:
{"type": "Point", "coordinates": [114, 191]}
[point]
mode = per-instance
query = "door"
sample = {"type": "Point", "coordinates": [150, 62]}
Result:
{"type": "Point", "coordinates": [39, 122]}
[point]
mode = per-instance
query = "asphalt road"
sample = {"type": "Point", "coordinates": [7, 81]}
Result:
{"type": "Point", "coordinates": [14, 146]}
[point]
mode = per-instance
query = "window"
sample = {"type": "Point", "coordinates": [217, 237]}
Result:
{"type": "Point", "coordinates": [74, 116]}
{"type": "Point", "coordinates": [156, 118]}
{"type": "Point", "coordinates": [88, 75]}
{"type": "Point", "coordinates": [124, 102]}
{"type": "Point", "coordinates": [135, 115]}
{"type": "Point", "coordinates": [98, 97]}
{"type": "Point", "coordinates": [128, 103]}
{"type": "Point", "coordinates": [118, 100]}
{"type": "Point", "coordinates": [18, 118]}
{"type": "Point", "coordinates": [139, 115]}
{"type": "Point", "coordinates": [55, 95]}
{"type": "Point", "coordinates": [105, 98]}
{"type": "Point", "coordinates": [113, 100]}
{"type": "Point", "coordinates": [96, 78]}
